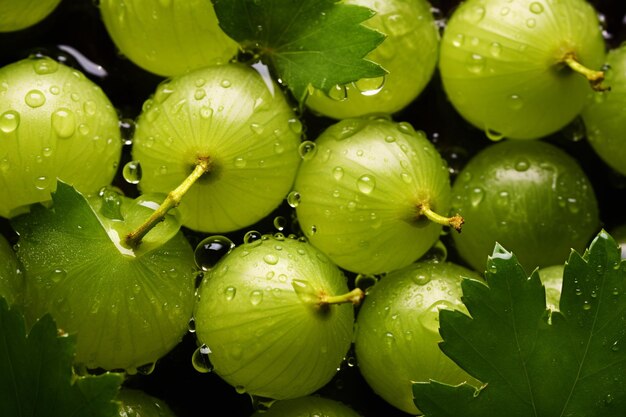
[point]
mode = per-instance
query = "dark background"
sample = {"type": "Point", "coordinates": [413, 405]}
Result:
{"type": "Point", "coordinates": [77, 24]}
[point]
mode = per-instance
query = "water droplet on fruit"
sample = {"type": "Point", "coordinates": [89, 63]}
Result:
{"type": "Point", "coordinates": [191, 325]}
{"type": "Point", "coordinates": [430, 316]}
{"type": "Point", "coordinates": [366, 184]}
{"type": "Point", "coordinates": [256, 297]}
{"type": "Point", "coordinates": [42, 182]}
{"type": "Point", "coordinates": [505, 11]}
{"type": "Point", "coordinates": [586, 305]}
{"type": "Point", "coordinates": [58, 274]}
{"type": "Point", "coordinates": [45, 65]}
{"type": "Point", "coordinates": [476, 196]}
{"type": "Point", "coordinates": [458, 40]}
{"type": "Point", "coordinates": [111, 203]}
{"type": "Point", "coordinates": [495, 49]}
{"type": "Point", "coordinates": [295, 125]}
{"type": "Point", "coordinates": [475, 14]}
{"type": "Point", "coordinates": [230, 293]}
{"type": "Point", "coordinates": [127, 130]}
{"type": "Point", "coordinates": [225, 83]}
{"type": "Point", "coordinates": [63, 122]}
{"type": "Point", "coordinates": [210, 250]}
{"type": "Point", "coordinates": [370, 86]}
{"type": "Point", "coordinates": [420, 279]}
{"type": "Point", "coordinates": [615, 346]}
{"type": "Point", "coordinates": [536, 7]}
{"type": "Point", "coordinates": [338, 173]}
{"type": "Point", "coordinates": [515, 102]}
{"type": "Point", "coordinates": [307, 150]}
{"type": "Point", "coordinates": [338, 92]}
{"type": "Point", "coordinates": [494, 135]}
{"type": "Point", "coordinates": [270, 259]}
{"type": "Point", "coordinates": [475, 63]}
{"type": "Point", "coordinates": [200, 359]}
{"type": "Point", "coordinates": [199, 94]}
{"type": "Point", "coordinates": [531, 23]}
{"type": "Point", "coordinates": [9, 121]}
{"type": "Point", "coordinates": [293, 199]}
{"type": "Point", "coordinates": [35, 98]}
{"type": "Point", "coordinates": [132, 172]}
{"type": "Point", "coordinates": [252, 238]}
{"type": "Point", "coordinates": [279, 223]}
{"type": "Point", "coordinates": [257, 128]}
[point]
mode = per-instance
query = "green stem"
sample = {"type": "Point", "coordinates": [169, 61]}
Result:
{"type": "Point", "coordinates": [455, 221]}
{"type": "Point", "coordinates": [133, 239]}
{"type": "Point", "coordinates": [595, 77]}
{"type": "Point", "coordinates": [355, 296]}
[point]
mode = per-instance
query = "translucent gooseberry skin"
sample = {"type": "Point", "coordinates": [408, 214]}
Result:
{"type": "Point", "coordinates": [11, 274]}
{"type": "Point", "coordinates": [397, 330]}
{"type": "Point", "coordinates": [167, 37]}
{"type": "Point", "coordinates": [409, 53]}
{"type": "Point", "coordinates": [501, 63]}
{"type": "Point", "coordinates": [531, 197]}
{"type": "Point", "coordinates": [258, 313]}
{"type": "Point", "coordinates": [239, 121]}
{"type": "Point", "coordinates": [21, 14]}
{"type": "Point", "coordinates": [307, 406]}
{"type": "Point", "coordinates": [360, 192]}
{"type": "Point", "coordinates": [127, 310]}
{"type": "Point", "coordinates": [54, 123]}
{"type": "Point", "coordinates": [604, 117]}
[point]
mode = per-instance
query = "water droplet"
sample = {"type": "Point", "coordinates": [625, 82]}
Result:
{"type": "Point", "coordinates": [252, 237]}
{"type": "Point", "coordinates": [307, 149]}
{"type": "Point", "coordinates": [199, 94]}
{"type": "Point", "coordinates": [370, 86]}
{"type": "Point", "coordinates": [279, 223]}
{"type": "Point", "coordinates": [531, 23]}
{"type": "Point", "coordinates": [256, 297]}
{"type": "Point", "coordinates": [536, 7]}
{"type": "Point", "coordinates": [45, 66]}
{"type": "Point", "coordinates": [35, 98]}
{"type": "Point", "coordinates": [293, 199]}
{"type": "Point", "coordinates": [338, 92]}
{"type": "Point", "coordinates": [191, 325]}
{"type": "Point", "coordinates": [132, 172]}
{"type": "Point", "coordinates": [225, 83]}
{"type": "Point", "coordinates": [111, 203]}
{"type": "Point", "coordinates": [421, 279]}
{"type": "Point", "coordinates": [257, 128]}
{"type": "Point", "coordinates": [9, 121]}
{"type": "Point", "coordinates": [458, 40]}
{"type": "Point", "coordinates": [210, 250]}
{"type": "Point", "coordinates": [230, 293]}
{"type": "Point", "coordinates": [494, 135]}
{"type": "Point", "coordinates": [58, 274]}
{"type": "Point", "coordinates": [366, 184]}
{"type": "Point", "coordinates": [295, 125]}
{"type": "Point", "coordinates": [206, 112]}
{"type": "Point", "coordinates": [476, 196]}
{"type": "Point", "coordinates": [338, 173]}
{"type": "Point", "coordinates": [200, 359]}
{"type": "Point", "coordinates": [42, 182]}
{"type": "Point", "coordinates": [146, 369]}
{"type": "Point", "coordinates": [127, 130]}
{"type": "Point", "coordinates": [63, 122]}
{"type": "Point", "coordinates": [475, 63]}
{"type": "Point", "coordinates": [475, 14]}
{"type": "Point", "coordinates": [586, 305]}
{"type": "Point", "coordinates": [515, 102]}
{"type": "Point", "coordinates": [270, 259]}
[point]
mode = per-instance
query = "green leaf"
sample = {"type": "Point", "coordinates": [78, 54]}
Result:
{"type": "Point", "coordinates": [36, 377]}
{"type": "Point", "coordinates": [308, 43]}
{"type": "Point", "coordinates": [532, 362]}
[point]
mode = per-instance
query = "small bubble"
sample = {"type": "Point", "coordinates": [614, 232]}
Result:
{"type": "Point", "coordinates": [230, 293]}
{"type": "Point", "coordinates": [256, 297]}
{"type": "Point", "coordinates": [270, 259]}
{"type": "Point", "coordinates": [338, 173]}
{"type": "Point", "coordinates": [252, 237]}
{"type": "Point", "coordinates": [307, 150]}
{"type": "Point", "coordinates": [200, 359]}
{"type": "Point", "coordinates": [279, 223]}
{"type": "Point", "coordinates": [132, 172]}
{"type": "Point", "coordinates": [370, 86]}
{"type": "Point", "coordinates": [210, 250]}
{"type": "Point", "coordinates": [293, 199]}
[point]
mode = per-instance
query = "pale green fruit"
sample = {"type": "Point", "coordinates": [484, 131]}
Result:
{"type": "Point", "coordinates": [167, 37]}
{"type": "Point", "coordinates": [138, 403]}
{"type": "Point", "coordinates": [308, 406]}
{"type": "Point", "coordinates": [21, 14]}
{"type": "Point", "coordinates": [409, 53]}
{"type": "Point", "coordinates": [54, 123]}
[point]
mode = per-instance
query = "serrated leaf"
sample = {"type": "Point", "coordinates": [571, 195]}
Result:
{"type": "Point", "coordinates": [532, 363]}
{"type": "Point", "coordinates": [36, 377]}
{"type": "Point", "coordinates": [309, 43]}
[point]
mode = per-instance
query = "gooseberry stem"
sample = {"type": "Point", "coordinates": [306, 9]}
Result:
{"type": "Point", "coordinates": [355, 296]}
{"type": "Point", "coordinates": [133, 239]}
{"type": "Point", "coordinates": [595, 77]}
{"type": "Point", "coordinates": [455, 221]}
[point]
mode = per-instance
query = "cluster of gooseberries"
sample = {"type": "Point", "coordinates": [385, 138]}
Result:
{"type": "Point", "coordinates": [287, 241]}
